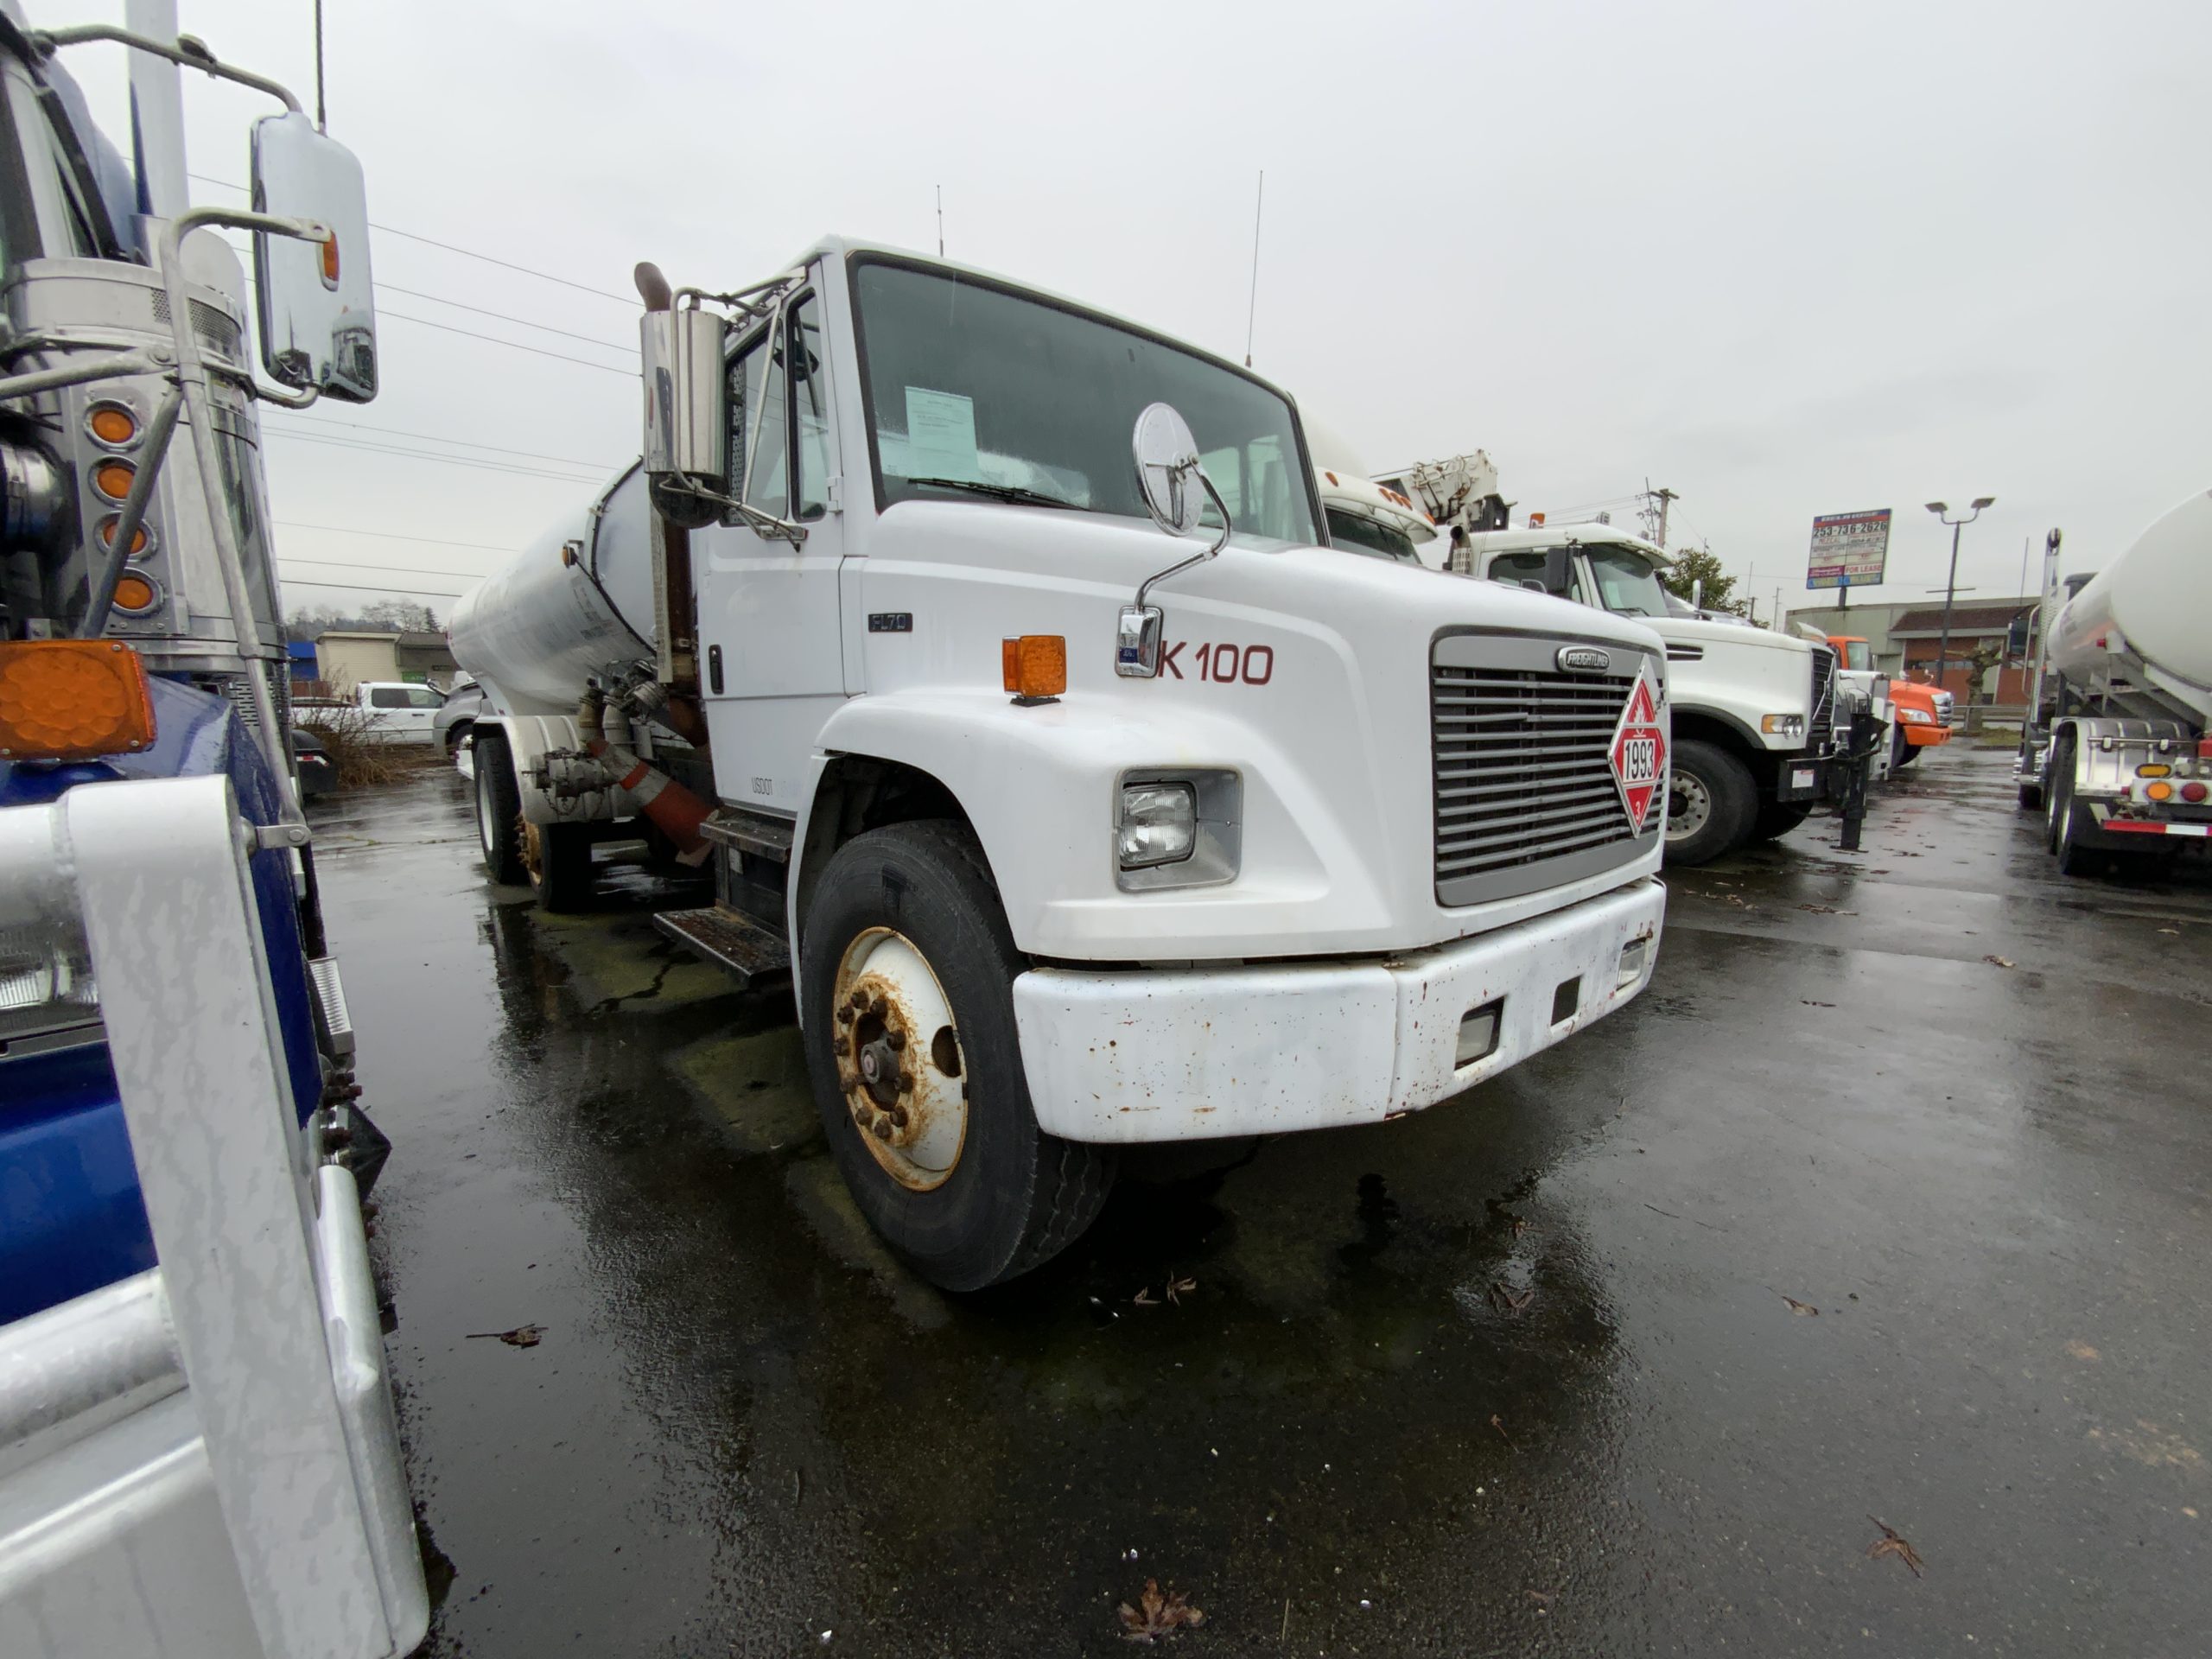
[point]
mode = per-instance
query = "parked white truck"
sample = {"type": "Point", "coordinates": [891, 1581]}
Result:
{"type": "Point", "coordinates": [1072, 838]}
{"type": "Point", "coordinates": [2117, 750]}
{"type": "Point", "coordinates": [1753, 711]}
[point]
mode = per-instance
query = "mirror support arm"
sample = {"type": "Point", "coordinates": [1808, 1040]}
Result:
{"type": "Point", "coordinates": [191, 390]}
{"type": "Point", "coordinates": [189, 50]}
{"type": "Point", "coordinates": [1220, 542]}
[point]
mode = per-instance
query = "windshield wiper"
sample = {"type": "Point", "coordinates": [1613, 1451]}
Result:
{"type": "Point", "coordinates": [1014, 492]}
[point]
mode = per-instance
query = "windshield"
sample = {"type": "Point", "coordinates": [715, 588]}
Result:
{"type": "Point", "coordinates": [975, 391]}
{"type": "Point", "coordinates": [1365, 536]}
{"type": "Point", "coordinates": [1857, 653]}
{"type": "Point", "coordinates": [1628, 583]}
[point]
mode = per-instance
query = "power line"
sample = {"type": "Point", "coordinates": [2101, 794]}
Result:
{"type": "Point", "coordinates": [391, 536]}
{"type": "Point", "coordinates": [374, 588]}
{"type": "Point", "coordinates": [544, 327]}
{"type": "Point", "coordinates": [629, 300]}
{"type": "Point", "coordinates": [464, 443]}
{"type": "Point", "coordinates": [512, 346]}
{"type": "Point", "coordinates": [474, 463]}
{"type": "Point", "coordinates": [388, 569]}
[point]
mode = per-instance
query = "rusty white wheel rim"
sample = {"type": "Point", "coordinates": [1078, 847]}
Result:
{"type": "Point", "coordinates": [899, 1066]}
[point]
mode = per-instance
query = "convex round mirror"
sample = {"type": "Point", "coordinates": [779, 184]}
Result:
{"type": "Point", "coordinates": [1168, 469]}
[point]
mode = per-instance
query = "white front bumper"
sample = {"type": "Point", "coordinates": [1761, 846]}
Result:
{"type": "Point", "coordinates": [1191, 1053]}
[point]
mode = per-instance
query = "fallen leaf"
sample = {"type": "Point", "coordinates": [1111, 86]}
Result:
{"type": "Point", "coordinates": [1889, 1544]}
{"type": "Point", "coordinates": [1809, 1004]}
{"type": "Point", "coordinates": [1158, 1614]}
{"type": "Point", "coordinates": [523, 1336]}
{"type": "Point", "coordinates": [1998, 962]}
{"type": "Point", "coordinates": [1145, 1297]}
{"type": "Point", "coordinates": [2081, 1349]}
{"type": "Point", "coordinates": [1826, 909]}
{"type": "Point", "coordinates": [1739, 901]}
{"type": "Point", "coordinates": [1502, 1434]}
{"type": "Point", "coordinates": [2170, 930]}
{"type": "Point", "coordinates": [1796, 1307]}
{"type": "Point", "coordinates": [1507, 1301]}
{"type": "Point", "coordinates": [1179, 1289]}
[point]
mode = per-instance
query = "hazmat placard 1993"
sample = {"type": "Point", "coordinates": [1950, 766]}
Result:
{"type": "Point", "coordinates": [1849, 549]}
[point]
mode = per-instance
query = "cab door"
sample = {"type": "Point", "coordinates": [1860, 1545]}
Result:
{"type": "Point", "coordinates": [772, 653]}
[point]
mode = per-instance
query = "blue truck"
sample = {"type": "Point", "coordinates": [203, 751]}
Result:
{"type": "Point", "coordinates": [198, 1451]}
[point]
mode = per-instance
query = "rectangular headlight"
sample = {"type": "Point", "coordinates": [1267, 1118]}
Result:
{"type": "Point", "coordinates": [1158, 824]}
{"type": "Point", "coordinates": [1783, 725]}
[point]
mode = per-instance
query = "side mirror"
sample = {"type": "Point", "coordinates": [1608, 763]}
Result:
{"type": "Point", "coordinates": [1175, 486]}
{"type": "Point", "coordinates": [686, 410]}
{"type": "Point", "coordinates": [1169, 470]}
{"type": "Point", "coordinates": [1697, 593]}
{"type": "Point", "coordinates": [317, 311]}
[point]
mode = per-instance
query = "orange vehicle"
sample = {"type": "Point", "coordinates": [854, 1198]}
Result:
{"type": "Point", "coordinates": [1924, 712]}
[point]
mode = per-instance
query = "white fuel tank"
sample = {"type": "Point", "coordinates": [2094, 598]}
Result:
{"type": "Point", "coordinates": [2156, 595]}
{"type": "Point", "coordinates": [576, 603]}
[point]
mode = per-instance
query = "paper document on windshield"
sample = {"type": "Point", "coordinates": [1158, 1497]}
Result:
{"type": "Point", "coordinates": [941, 435]}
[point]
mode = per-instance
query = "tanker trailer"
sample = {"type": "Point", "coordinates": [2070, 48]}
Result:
{"type": "Point", "coordinates": [2124, 698]}
{"type": "Point", "coordinates": [588, 722]}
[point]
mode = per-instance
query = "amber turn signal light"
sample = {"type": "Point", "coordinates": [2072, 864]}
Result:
{"type": "Point", "coordinates": [330, 260]}
{"type": "Point", "coordinates": [73, 699]}
{"type": "Point", "coordinates": [137, 536]}
{"type": "Point", "coordinates": [134, 595]}
{"type": "Point", "coordinates": [1036, 664]}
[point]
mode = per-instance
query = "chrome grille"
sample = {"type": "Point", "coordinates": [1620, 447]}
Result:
{"type": "Point", "coordinates": [1522, 768]}
{"type": "Point", "coordinates": [1823, 693]}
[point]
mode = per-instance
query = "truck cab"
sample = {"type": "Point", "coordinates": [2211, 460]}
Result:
{"type": "Point", "coordinates": [1920, 714]}
{"type": "Point", "coordinates": [993, 650]}
{"type": "Point", "coordinates": [1754, 710]}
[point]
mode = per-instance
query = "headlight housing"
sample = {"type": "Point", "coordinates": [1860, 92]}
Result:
{"type": "Point", "coordinates": [1916, 716]}
{"type": "Point", "coordinates": [1783, 725]}
{"type": "Point", "coordinates": [1179, 827]}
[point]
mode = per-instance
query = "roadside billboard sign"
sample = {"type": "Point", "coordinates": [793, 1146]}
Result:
{"type": "Point", "coordinates": [1849, 549]}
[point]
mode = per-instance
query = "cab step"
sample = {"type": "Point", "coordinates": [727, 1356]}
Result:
{"type": "Point", "coordinates": [758, 833]}
{"type": "Point", "coordinates": [755, 952]}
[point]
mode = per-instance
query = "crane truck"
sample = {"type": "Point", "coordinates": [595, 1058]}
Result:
{"type": "Point", "coordinates": [990, 649]}
{"type": "Point", "coordinates": [2118, 747]}
{"type": "Point", "coordinates": [198, 1453]}
{"type": "Point", "coordinates": [1755, 715]}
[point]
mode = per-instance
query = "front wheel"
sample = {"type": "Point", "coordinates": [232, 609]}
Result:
{"type": "Point", "coordinates": [906, 970]}
{"type": "Point", "coordinates": [498, 811]}
{"type": "Point", "coordinates": [1711, 803]}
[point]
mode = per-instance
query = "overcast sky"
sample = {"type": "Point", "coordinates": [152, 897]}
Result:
{"type": "Point", "coordinates": [1783, 259]}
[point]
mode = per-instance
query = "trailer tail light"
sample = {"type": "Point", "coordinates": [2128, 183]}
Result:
{"type": "Point", "coordinates": [73, 699]}
{"type": "Point", "coordinates": [2153, 770]}
{"type": "Point", "coordinates": [1035, 665]}
{"type": "Point", "coordinates": [2160, 791]}
{"type": "Point", "coordinates": [2204, 748]}
{"type": "Point", "coordinates": [2194, 793]}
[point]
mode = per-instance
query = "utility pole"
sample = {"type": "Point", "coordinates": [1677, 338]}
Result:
{"type": "Point", "coordinates": [1942, 511]}
{"type": "Point", "coordinates": [1662, 496]}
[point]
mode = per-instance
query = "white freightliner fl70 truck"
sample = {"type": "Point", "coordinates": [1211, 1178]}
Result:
{"type": "Point", "coordinates": [2119, 751]}
{"type": "Point", "coordinates": [1073, 836]}
{"type": "Point", "coordinates": [1753, 711]}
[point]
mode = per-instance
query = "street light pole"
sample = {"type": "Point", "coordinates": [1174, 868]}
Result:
{"type": "Point", "coordinates": [1942, 511]}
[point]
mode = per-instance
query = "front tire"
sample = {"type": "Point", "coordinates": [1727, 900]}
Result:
{"type": "Point", "coordinates": [1711, 803]}
{"type": "Point", "coordinates": [498, 811]}
{"type": "Point", "coordinates": [906, 969]}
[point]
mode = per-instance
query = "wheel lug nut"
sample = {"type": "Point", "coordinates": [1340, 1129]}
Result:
{"type": "Point", "coordinates": [840, 1046]}
{"type": "Point", "coordinates": [897, 1040]}
{"type": "Point", "coordinates": [905, 1084]}
{"type": "Point", "coordinates": [882, 1128]}
{"type": "Point", "coordinates": [899, 1116]}
{"type": "Point", "coordinates": [844, 1016]}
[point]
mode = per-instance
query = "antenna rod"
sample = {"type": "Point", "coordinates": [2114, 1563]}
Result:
{"type": "Point", "coordinates": [940, 221]}
{"type": "Point", "coordinates": [1252, 311]}
{"type": "Point", "coordinates": [321, 119]}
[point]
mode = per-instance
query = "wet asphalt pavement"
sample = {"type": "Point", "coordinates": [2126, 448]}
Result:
{"type": "Point", "coordinates": [1535, 1371]}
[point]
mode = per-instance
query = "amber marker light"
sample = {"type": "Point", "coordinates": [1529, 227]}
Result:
{"type": "Point", "coordinates": [1036, 664]}
{"type": "Point", "coordinates": [134, 595]}
{"type": "Point", "coordinates": [138, 542]}
{"type": "Point", "coordinates": [112, 479]}
{"type": "Point", "coordinates": [330, 260]}
{"type": "Point", "coordinates": [73, 699]}
{"type": "Point", "coordinates": [112, 424]}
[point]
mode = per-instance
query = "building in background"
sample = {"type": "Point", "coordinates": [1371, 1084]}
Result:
{"type": "Point", "coordinates": [1871, 623]}
{"type": "Point", "coordinates": [349, 658]}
